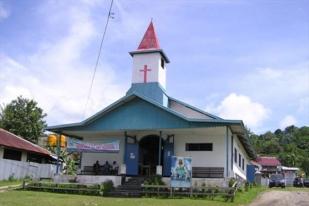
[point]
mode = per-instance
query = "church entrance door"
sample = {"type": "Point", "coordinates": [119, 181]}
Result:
{"type": "Point", "coordinates": [149, 155]}
{"type": "Point", "coordinates": [131, 158]}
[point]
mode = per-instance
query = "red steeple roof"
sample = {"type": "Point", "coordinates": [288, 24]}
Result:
{"type": "Point", "coordinates": [150, 39]}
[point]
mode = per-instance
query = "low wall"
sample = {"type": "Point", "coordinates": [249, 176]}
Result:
{"type": "Point", "coordinates": [208, 182]}
{"type": "Point", "coordinates": [19, 170]}
{"type": "Point", "coordinates": [88, 179]}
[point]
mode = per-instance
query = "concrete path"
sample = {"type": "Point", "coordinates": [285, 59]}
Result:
{"type": "Point", "coordinates": [282, 198]}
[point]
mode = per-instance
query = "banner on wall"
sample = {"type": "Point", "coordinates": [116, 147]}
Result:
{"type": "Point", "coordinates": [181, 172]}
{"type": "Point", "coordinates": [75, 145]}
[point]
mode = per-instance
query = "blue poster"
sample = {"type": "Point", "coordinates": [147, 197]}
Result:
{"type": "Point", "coordinates": [181, 171]}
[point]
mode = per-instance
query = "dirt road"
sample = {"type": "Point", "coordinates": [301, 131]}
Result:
{"type": "Point", "coordinates": [282, 198]}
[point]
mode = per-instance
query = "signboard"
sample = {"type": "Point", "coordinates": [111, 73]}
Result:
{"type": "Point", "coordinates": [75, 145]}
{"type": "Point", "coordinates": [181, 172]}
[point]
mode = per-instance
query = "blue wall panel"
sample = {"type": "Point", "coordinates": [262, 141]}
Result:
{"type": "Point", "coordinates": [167, 154]}
{"type": "Point", "coordinates": [136, 114]}
{"type": "Point", "coordinates": [151, 90]}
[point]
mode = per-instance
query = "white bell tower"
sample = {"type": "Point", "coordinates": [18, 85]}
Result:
{"type": "Point", "coordinates": [149, 61]}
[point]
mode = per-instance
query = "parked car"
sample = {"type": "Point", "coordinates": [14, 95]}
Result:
{"type": "Point", "coordinates": [306, 182]}
{"type": "Point", "coordinates": [276, 180]}
{"type": "Point", "coordinates": [298, 182]}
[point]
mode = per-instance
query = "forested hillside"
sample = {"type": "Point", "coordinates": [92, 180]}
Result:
{"type": "Point", "coordinates": [290, 145]}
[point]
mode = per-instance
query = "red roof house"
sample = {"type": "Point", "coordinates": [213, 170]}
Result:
{"type": "Point", "coordinates": [269, 164]}
{"type": "Point", "coordinates": [11, 142]}
{"type": "Point", "coordinates": [268, 161]}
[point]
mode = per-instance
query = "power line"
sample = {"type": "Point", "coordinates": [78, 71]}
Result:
{"type": "Point", "coordinates": [99, 54]}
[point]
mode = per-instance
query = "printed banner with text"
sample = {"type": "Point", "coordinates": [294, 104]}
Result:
{"type": "Point", "coordinates": [75, 145]}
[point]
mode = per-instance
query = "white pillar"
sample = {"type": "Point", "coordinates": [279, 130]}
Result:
{"type": "Point", "coordinates": [159, 170]}
{"type": "Point", "coordinates": [24, 157]}
{"type": "Point", "coordinates": [123, 169]}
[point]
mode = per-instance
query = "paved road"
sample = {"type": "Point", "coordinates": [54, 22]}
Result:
{"type": "Point", "coordinates": [282, 198]}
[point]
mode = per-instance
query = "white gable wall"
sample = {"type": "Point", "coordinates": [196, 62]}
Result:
{"type": "Point", "coordinates": [215, 158]}
{"type": "Point", "coordinates": [237, 170]}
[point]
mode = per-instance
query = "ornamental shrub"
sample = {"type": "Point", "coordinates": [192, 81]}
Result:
{"type": "Point", "coordinates": [107, 187]}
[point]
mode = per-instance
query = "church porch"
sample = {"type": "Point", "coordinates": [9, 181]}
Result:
{"type": "Point", "coordinates": [140, 154]}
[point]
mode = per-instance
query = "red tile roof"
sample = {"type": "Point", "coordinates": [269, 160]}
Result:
{"type": "Point", "coordinates": [11, 140]}
{"type": "Point", "coordinates": [150, 39]}
{"type": "Point", "coordinates": [268, 161]}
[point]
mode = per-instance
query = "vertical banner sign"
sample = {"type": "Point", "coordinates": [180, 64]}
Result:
{"type": "Point", "coordinates": [181, 171]}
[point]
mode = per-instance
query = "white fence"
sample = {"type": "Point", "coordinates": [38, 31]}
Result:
{"type": "Point", "coordinates": [18, 169]}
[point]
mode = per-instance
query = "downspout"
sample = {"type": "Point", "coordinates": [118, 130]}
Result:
{"type": "Point", "coordinates": [125, 147]}
{"type": "Point", "coordinates": [232, 151]}
{"type": "Point", "coordinates": [160, 148]}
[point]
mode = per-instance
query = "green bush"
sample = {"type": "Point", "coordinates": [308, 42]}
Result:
{"type": "Point", "coordinates": [27, 178]}
{"type": "Point", "coordinates": [69, 188]}
{"type": "Point", "coordinates": [246, 186]}
{"type": "Point", "coordinates": [154, 180]}
{"type": "Point", "coordinates": [107, 187]}
{"type": "Point", "coordinates": [12, 178]}
{"type": "Point", "coordinates": [232, 181]}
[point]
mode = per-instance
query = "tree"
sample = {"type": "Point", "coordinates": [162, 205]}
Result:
{"type": "Point", "coordinates": [69, 163]}
{"type": "Point", "coordinates": [291, 145]}
{"type": "Point", "coordinates": [271, 146]}
{"type": "Point", "coordinates": [24, 118]}
{"type": "Point", "coordinates": [305, 166]}
{"type": "Point", "coordinates": [70, 159]}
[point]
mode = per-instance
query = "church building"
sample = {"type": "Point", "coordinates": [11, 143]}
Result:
{"type": "Point", "coordinates": [150, 127]}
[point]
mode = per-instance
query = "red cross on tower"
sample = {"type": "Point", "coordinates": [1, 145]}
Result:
{"type": "Point", "coordinates": [145, 70]}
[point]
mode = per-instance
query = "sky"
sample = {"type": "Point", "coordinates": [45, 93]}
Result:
{"type": "Point", "coordinates": [236, 59]}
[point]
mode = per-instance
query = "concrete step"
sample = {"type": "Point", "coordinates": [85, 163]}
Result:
{"type": "Point", "coordinates": [125, 193]}
{"type": "Point", "coordinates": [128, 189]}
{"type": "Point", "coordinates": [131, 188]}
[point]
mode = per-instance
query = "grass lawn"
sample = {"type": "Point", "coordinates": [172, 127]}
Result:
{"type": "Point", "coordinates": [8, 182]}
{"type": "Point", "coordinates": [30, 198]}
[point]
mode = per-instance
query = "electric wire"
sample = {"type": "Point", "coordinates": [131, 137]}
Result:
{"type": "Point", "coordinates": [98, 57]}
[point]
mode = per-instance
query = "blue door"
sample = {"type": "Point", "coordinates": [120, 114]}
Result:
{"type": "Point", "coordinates": [131, 159]}
{"type": "Point", "coordinates": [250, 173]}
{"type": "Point", "coordinates": [168, 152]}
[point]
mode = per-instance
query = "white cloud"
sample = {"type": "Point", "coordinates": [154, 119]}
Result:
{"type": "Point", "coordinates": [56, 76]}
{"type": "Point", "coordinates": [241, 107]}
{"type": "Point", "coordinates": [4, 13]}
{"type": "Point", "coordinates": [304, 106]}
{"type": "Point", "coordinates": [269, 73]}
{"type": "Point", "coordinates": [287, 121]}
{"type": "Point", "coordinates": [286, 83]}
